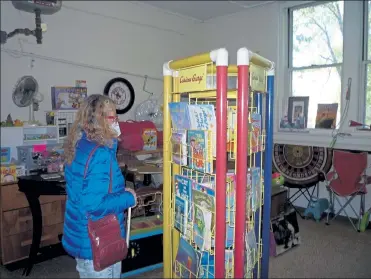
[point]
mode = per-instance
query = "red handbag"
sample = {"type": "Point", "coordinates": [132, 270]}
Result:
{"type": "Point", "coordinates": [107, 244]}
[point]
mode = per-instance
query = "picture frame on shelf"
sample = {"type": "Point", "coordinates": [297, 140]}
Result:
{"type": "Point", "coordinates": [67, 97]}
{"type": "Point", "coordinates": [297, 114]}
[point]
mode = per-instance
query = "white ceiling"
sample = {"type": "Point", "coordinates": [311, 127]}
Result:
{"type": "Point", "coordinates": [204, 10]}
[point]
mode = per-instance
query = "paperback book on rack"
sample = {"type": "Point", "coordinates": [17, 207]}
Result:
{"type": "Point", "coordinates": [179, 145]}
{"type": "Point", "coordinates": [194, 117]}
{"type": "Point", "coordinates": [200, 157]}
{"type": "Point", "coordinates": [187, 260]}
{"type": "Point", "coordinates": [254, 180]}
{"type": "Point", "coordinates": [255, 128]}
{"type": "Point", "coordinates": [181, 214]}
{"type": "Point", "coordinates": [183, 189]}
{"type": "Point", "coordinates": [204, 215]}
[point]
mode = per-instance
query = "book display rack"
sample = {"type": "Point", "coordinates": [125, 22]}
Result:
{"type": "Point", "coordinates": [218, 130]}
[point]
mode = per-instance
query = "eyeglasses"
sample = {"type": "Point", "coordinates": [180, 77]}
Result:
{"type": "Point", "coordinates": [113, 118]}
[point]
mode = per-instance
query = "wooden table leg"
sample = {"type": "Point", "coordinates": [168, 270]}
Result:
{"type": "Point", "coordinates": [35, 207]}
{"type": "Point", "coordinates": [147, 179]}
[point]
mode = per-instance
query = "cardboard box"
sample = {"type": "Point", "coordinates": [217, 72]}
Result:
{"type": "Point", "coordinates": [8, 173]}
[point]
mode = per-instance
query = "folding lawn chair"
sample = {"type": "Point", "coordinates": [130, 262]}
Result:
{"type": "Point", "coordinates": [347, 179]}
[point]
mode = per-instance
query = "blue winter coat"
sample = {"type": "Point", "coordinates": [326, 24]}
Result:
{"type": "Point", "coordinates": [90, 197]}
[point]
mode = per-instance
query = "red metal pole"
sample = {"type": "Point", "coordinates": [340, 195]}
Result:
{"type": "Point", "coordinates": [221, 170]}
{"type": "Point", "coordinates": [241, 173]}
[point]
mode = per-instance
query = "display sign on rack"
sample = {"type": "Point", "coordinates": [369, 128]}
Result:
{"type": "Point", "coordinates": [257, 78]}
{"type": "Point", "coordinates": [192, 79]}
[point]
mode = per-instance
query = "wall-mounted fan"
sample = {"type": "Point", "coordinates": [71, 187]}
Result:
{"type": "Point", "coordinates": [25, 94]}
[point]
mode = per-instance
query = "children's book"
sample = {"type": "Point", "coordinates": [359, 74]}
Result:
{"type": "Point", "coordinates": [231, 193]}
{"type": "Point", "coordinates": [149, 137]}
{"type": "Point", "coordinates": [202, 117]}
{"type": "Point", "coordinates": [228, 263]}
{"type": "Point", "coordinates": [326, 116]}
{"type": "Point", "coordinates": [254, 132]}
{"type": "Point", "coordinates": [202, 228]}
{"type": "Point", "coordinates": [179, 143]}
{"type": "Point", "coordinates": [187, 260]}
{"type": "Point", "coordinates": [204, 202]}
{"type": "Point", "coordinates": [204, 196]}
{"type": "Point", "coordinates": [231, 129]}
{"type": "Point", "coordinates": [181, 212]}
{"type": "Point", "coordinates": [5, 155]}
{"type": "Point", "coordinates": [179, 115]}
{"type": "Point", "coordinates": [198, 177]}
{"type": "Point", "coordinates": [255, 187]}
{"type": "Point", "coordinates": [251, 250]}
{"type": "Point", "coordinates": [230, 208]}
{"type": "Point", "coordinates": [199, 151]}
{"type": "Point", "coordinates": [183, 189]}
{"type": "Point", "coordinates": [207, 269]}
{"type": "Point", "coordinates": [8, 173]}
{"type": "Point", "coordinates": [207, 266]}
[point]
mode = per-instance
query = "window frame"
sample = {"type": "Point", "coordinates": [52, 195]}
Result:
{"type": "Point", "coordinates": [291, 69]}
{"type": "Point", "coordinates": [352, 66]}
{"type": "Point", "coordinates": [365, 61]}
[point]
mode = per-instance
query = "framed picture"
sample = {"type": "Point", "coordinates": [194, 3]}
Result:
{"type": "Point", "coordinates": [326, 116]}
{"type": "Point", "coordinates": [298, 112]}
{"type": "Point", "coordinates": [68, 98]}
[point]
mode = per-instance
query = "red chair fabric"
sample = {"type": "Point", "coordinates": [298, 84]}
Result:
{"type": "Point", "coordinates": [348, 171]}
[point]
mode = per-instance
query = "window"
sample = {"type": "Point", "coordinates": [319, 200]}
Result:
{"type": "Point", "coordinates": [316, 54]}
{"type": "Point", "coordinates": [367, 62]}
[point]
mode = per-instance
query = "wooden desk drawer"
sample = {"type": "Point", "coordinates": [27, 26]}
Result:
{"type": "Point", "coordinates": [12, 198]}
{"type": "Point", "coordinates": [17, 247]}
{"type": "Point", "coordinates": [20, 220]}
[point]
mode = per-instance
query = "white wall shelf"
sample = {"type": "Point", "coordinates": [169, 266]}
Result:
{"type": "Point", "coordinates": [62, 119]}
{"type": "Point", "coordinates": [32, 134]}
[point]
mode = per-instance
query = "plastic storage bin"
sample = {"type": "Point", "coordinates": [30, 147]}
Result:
{"type": "Point", "coordinates": [36, 160]}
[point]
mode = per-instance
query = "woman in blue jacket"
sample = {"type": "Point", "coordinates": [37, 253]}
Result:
{"type": "Point", "coordinates": [87, 190]}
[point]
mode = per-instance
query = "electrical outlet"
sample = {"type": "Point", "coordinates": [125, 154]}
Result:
{"type": "Point", "coordinates": [44, 27]}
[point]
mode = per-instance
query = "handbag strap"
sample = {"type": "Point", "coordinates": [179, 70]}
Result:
{"type": "Point", "coordinates": [87, 164]}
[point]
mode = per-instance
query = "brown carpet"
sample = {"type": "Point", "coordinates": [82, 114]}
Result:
{"type": "Point", "coordinates": [335, 251]}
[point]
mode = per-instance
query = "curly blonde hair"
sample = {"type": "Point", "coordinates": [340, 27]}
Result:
{"type": "Point", "coordinates": [91, 119]}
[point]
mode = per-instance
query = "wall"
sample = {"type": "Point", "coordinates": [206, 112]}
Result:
{"type": "Point", "coordinates": [118, 36]}
{"type": "Point", "coordinates": [259, 29]}
{"type": "Point", "coordinates": [255, 29]}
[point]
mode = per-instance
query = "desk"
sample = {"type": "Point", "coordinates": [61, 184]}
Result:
{"type": "Point", "coordinates": [143, 230]}
{"type": "Point", "coordinates": [33, 187]}
{"type": "Point", "coordinates": [139, 168]}
{"type": "Point", "coordinates": [129, 160]}
{"type": "Point", "coordinates": [147, 171]}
